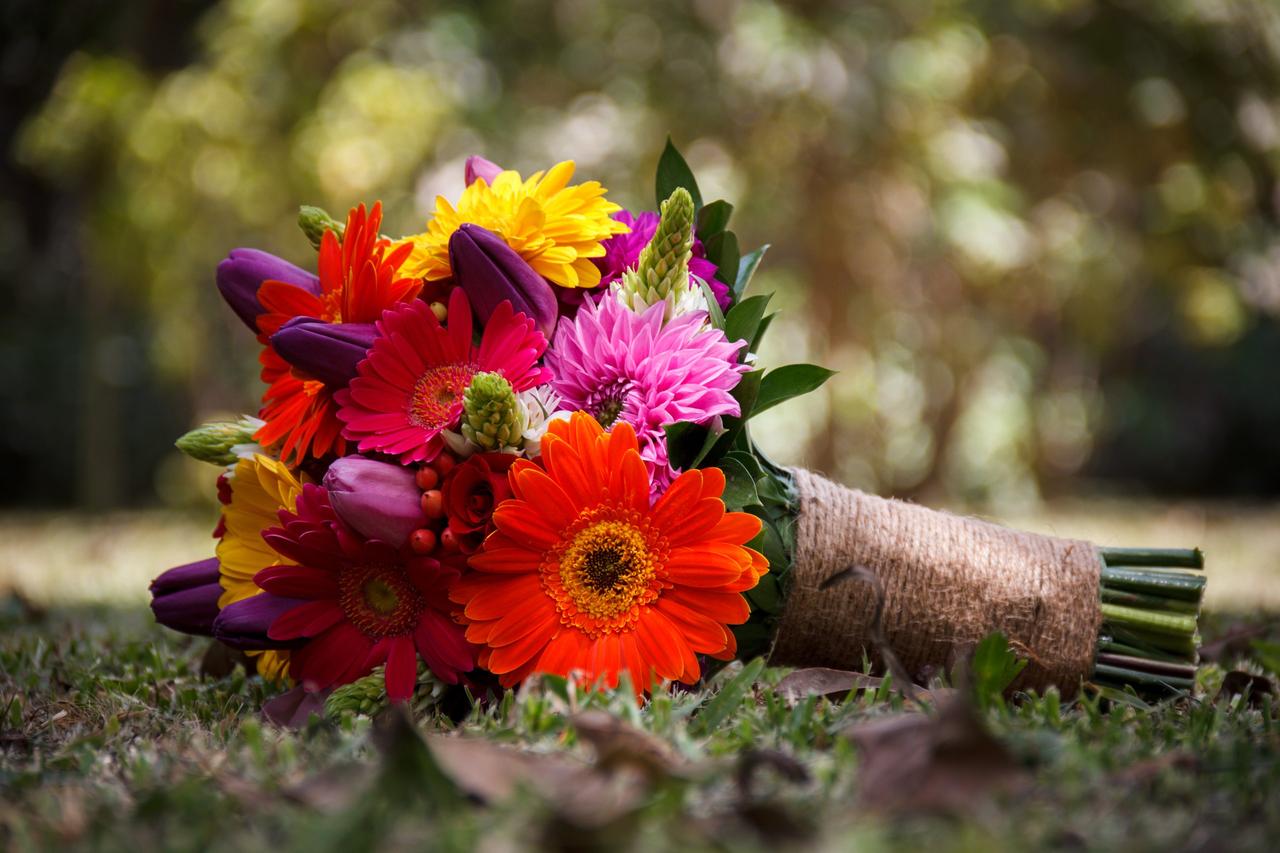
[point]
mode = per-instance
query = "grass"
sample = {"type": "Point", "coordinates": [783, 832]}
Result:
{"type": "Point", "coordinates": [112, 740]}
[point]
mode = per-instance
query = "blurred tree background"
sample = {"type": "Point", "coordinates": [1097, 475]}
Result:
{"type": "Point", "coordinates": [1038, 238]}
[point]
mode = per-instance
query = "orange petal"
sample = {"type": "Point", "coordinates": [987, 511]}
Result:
{"type": "Point", "coordinates": [663, 646]}
{"type": "Point", "coordinates": [738, 528]}
{"type": "Point", "coordinates": [505, 560]}
{"type": "Point", "coordinates": [544, 497]}
{"type": "Point", "coordinates": [712, 482]}
{"type": "Point", "coordinates": [529, 528]}
{"type": "Point", "coordinates": [727, 608]}
{"type": "Point", "coordinates": [524, 651]}
{"type": "Point", "coordinates": [494, 597]}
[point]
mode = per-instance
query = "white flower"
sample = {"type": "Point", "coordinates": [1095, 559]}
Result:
{"type": "Point", "coordinates": [680, 301]}
{"type": "Point", "coordinates": [540, 406]}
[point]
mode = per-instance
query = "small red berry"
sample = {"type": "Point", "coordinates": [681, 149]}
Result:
{"type": "Point", "coordinates": [444, 464]}
{"type": "Point", "coordinates": [433, 503]}
{"type": "Point", "coordinates": [427, 478]}
{"type": "Point", "coordinates": [422, 541]}
{"type": "Point", "coordinates": [448, 540]}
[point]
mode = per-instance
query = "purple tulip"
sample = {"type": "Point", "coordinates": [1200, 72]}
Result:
{"type": "Point", "coordinates": [185, 598]}
{"type": "Point", "coordinates": [378, 499]}
{"type": "Point", "coordinates": [244, 624]}
{"type": "Point", "coordinates": [244, 271]}
{"type": "Point", "coordinates": [490, 273]}
{"type": "Point", "coordinates": [327, 351]}
{"type": "Point", "coordinates": [478, 167]}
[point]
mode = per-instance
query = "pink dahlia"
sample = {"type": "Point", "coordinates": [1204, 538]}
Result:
{"type": "Point", "coordinates": [410, 386]}
{"type": "Point", "coordinates": [622, 252]}
{"type": "Point", "coordinates": [616, 365]}
{"type": "Point", "coordinates": [352, 603]}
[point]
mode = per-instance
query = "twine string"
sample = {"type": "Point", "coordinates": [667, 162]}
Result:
{"type": "Point", "coordinates": [944, 581]}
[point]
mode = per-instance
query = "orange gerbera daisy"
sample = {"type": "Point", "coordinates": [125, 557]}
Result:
{"type": "Point", "coordinates": [358, 280]}
{"type": "Point", "coordinates": [583, 575]}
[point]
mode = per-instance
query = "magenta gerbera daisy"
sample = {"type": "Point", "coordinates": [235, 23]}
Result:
{"type": "Point", "coordinates": [409, 388]}
{"type": "Point", "coordinates": [616, 365]}
{"type": "Point", "coordinates": [358, 602]}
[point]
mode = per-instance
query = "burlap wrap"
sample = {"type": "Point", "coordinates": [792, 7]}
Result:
{"type": "Point", "coordinates": [948, 581]}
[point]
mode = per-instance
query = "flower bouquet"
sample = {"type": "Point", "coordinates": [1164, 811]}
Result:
{"type": "Point", "coordinates": [517, 443]}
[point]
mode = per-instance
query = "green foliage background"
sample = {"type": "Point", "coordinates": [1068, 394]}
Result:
{"type": "Point", "coordinates": [1038, 239]}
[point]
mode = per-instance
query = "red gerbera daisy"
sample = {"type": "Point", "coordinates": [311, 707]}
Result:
{"type": "Point", "coordinates": [582, 575]}
{"type": "Point", "coordinates": [363, 602]}
{"type": "Point", "coordinates": [357, 281]}
{"type": "Point", "coordinates": [410, 386]}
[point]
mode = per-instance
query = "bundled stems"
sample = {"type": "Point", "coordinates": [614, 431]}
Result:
{"type": "Point", "coordinates": [1150, 607]}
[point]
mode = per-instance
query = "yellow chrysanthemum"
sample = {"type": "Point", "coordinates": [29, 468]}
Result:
{"type": "Point", "coordinates": [260, 487]}
{"type": "Point", "coordinates": [555, 227]}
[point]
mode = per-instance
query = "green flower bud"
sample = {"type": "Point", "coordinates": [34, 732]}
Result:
{"type": "Point", "coordinates": [365, 696]}
{"type": "Point", "coordinates": [663, 268]}
{"type": "Point", "coordinates": [368, 696]}
{"type": "Point", "coordinates": [314, 221]}
{"type": "Point", "coordinates": [491, 415]}
{"type": "Point", "coordinates": [216, 442]}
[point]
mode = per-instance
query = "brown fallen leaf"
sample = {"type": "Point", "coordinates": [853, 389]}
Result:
{"type": "Point", "coordinates": [618, 744]}
{"type": "Point", "coordinates": [1240, 683]}
{"type": "Point", "coordinates": [1143, 773]}
{"type": "Point", "coordinates": [580, 795]}
{"type": "Point", "coordinates": [1234, 642]}
{"type": "Point", "coordinates": [333, 789]}
{"type": "Point", "coordinates": [941, 762]}
{"type": "Point", "coordinates": [821, 681]}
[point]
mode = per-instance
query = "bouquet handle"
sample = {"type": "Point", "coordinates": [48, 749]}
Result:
{"type": "Point", "coordinates": [947, 581]}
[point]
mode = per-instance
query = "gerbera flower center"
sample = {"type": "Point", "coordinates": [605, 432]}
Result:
{"type": "Point", "coordinates": [436, 401]}
{"type": "Point", "coordinates": [379, 600]}
{"type": "Point", "coordinates": [608, 567]}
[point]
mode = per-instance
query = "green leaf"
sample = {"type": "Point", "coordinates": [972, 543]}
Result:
{"type": "Point", "coordinates": [747, 268]}
{"type": "Point", "coordinates": [789, 381]}
{"type": "Point", "coordinates": [744, 318]}
{"type": "Point", "coordinates": [674, 172]}
{"type": "Point", "coordinates": [746, 460]}
{"type": "Point", "coordinates": [754, 345]}
{"type": "Point", "coordinates": [713, 219]}
{"type": "Point", "coordinates": [994, 668]}
{"type": "Point", "coordinates": [713, 307]}
{"type": "Point", "coordinates": [724, 703]}
{"type": "Point", "coordinates": [688, 444]}
{"type": "Point", "coordinates": [766, 595]}
{"type": "Point", "coordinates": [739, 485]}
{"type": "Point", "coordinates": [722, 250]}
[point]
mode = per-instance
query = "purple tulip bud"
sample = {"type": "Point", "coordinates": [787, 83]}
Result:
{"type": "Point", "coordinates": [244, 271]}
{"type": "Point", "coordinates": [478, 167]}
{"type": "Point", "coordinates": [327, 351]}
{"type": "Point", "coordinates": [380, 500]}
{"type": "Point", "coordinates": [185, 598]}
{"type": "Point", "coordinates": [490, 273]}
{"type": "Point", "coordinates": [244, 624]}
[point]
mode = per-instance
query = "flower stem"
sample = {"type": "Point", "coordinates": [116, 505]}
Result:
{"type": "Point", "coordinates": [1150, 605]}
{"type": "Point", "coordinates": [1182, 558]}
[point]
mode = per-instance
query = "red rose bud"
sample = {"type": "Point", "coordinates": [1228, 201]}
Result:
{"type": "Point", "coordinates": [472, 491]}
{"type": "Point", "coordinates": [185, 598]}
{"type": "Point", "coordinates": [327, 351]}
{"type": "Point", "coordinates": [490, 273]}
{"type": "Point", "coordinates": [380, 500]}
{"type": "Point", "coordinates": [244, 271]}
{"type": "Point", "coordinates": [478, 167]}
{"type": "Point", "coordinates": [244, 624]}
